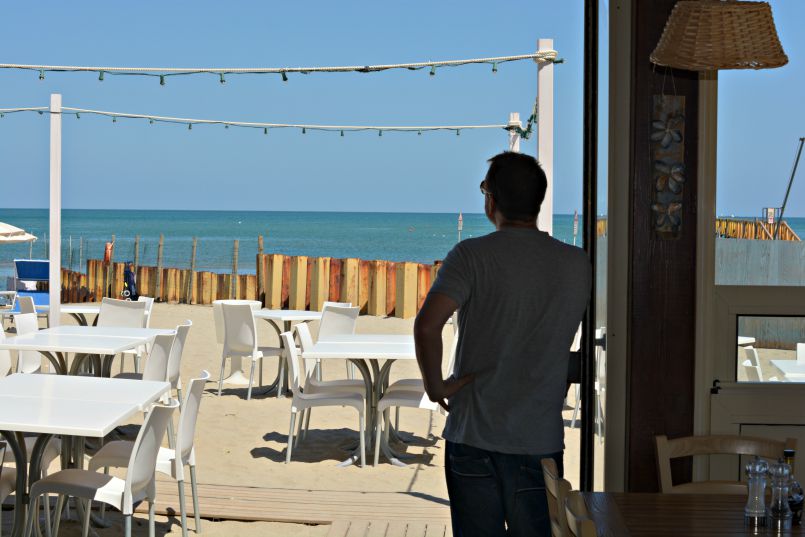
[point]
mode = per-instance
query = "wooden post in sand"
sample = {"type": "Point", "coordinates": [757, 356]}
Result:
{"type": "Point", "coordinates": [136, 251]}
{"type": "Point", "coordinates": [233, 285]}
{"type": "Point", "coordinates": [261, 291]}
{"type": "Point", "coordinates": [405, 306]}
{"type": "Point", "coordinates": [160, 250]}
{"type": "Point", "coordinates": [296, 290]}
{"type": "Point", "coordinates": [192, 276]}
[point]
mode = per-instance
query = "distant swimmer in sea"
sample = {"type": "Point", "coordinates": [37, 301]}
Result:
{"type": "Point", "coordinates": [411, 229]}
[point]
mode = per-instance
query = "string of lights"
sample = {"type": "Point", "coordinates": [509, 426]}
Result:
{"type": "Point", "coordinates": [266, 127]}
{"type": "Point", "coordinates": [542, 56]}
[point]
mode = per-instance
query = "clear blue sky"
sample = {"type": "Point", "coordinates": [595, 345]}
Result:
{"type": "Point", "coordinates": [132, 164]}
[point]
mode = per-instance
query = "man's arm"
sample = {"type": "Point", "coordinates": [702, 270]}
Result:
{"type": "Point", "coordinates": [428, 337]}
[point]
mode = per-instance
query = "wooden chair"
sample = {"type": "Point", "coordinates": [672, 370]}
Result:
{"type": "Point", "coordinates": [579, 523]}
{"type": "Point", "coordinates": [557, 490]}
{"type": "Point", "coordinates": [713, 445]}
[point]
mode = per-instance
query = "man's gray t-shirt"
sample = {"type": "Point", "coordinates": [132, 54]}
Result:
{"type": "Point", "coordinates": [521, 297]}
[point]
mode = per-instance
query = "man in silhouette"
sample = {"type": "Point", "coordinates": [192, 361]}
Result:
{"type": "Point", "coordinates": [520, 295]}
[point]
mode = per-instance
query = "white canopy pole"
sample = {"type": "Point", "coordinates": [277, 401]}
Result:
{"type": "Point", "coordinates": [55, 210]}
{"type": "Point", "coordinates": [514, 136]}
{"type": "Point", "coordinates": [545, 133]}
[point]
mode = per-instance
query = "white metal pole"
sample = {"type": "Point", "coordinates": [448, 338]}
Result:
{"type": "Point", "coordinates": [545, 133]}
{"type": "Point", "coordinates": [55, 209]}
{"type": "Point", "coordinates": [514, 136]}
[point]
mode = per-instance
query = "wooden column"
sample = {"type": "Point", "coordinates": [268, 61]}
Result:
{"type": "Point", "coordinates": [296, 294]}
{"type": "Point", "coordinates": [273, 280]}
{"type": "Point", "coordinates": [319, 283]}
{"type": "Point", "coordinates": [349, 281]}
{"type": "Point", "coordinates": [377, 288]}
{"type": "Point", "coordinates": [405, 306]}
{"type": "Point", "coordinates": [661, 283]}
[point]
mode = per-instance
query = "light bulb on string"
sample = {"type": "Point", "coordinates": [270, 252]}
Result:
{"type": "Point", "coordinates": [226, 125]}
{"type": "Point", "coordinates": [304, 131]}
{"type": "Point", "coordinates": [190, 126]}
{"type": "Point", "coordinates": [265, 130]}
{"type": "Point", "coordinates": [41, 74]}
{"type": "Point", "coordinates": [2, 115]}
{"type": "Point", "coordinates": [40, 112]}
{"type": "Point", "coordinates": [284, 76]}
{"type": "Point", "coordinates": [77, 115]}
{"type": "Point", "coordinates": [433, 70]}
{"type": "Point", "coordinates": [342, 133]}
{"type": "Point", "coordinates": [223, 80]}
{"type": "Point", "coordinates": [161, 80]}
{"type": "Point", "coordinates": [114, 119]}
{"type": "Point", "coordinates": [150, 121]}
{"type": "Point", "coordinates": [380, 133]}
{"type": "Point", "coordinates": [419, 133]}
{"type": "Point", "coordinates": [458, 132]}
{"type": "Point", "coordinates": [494, 67]}
{"type": "Point", "coordinates": [100, 76]}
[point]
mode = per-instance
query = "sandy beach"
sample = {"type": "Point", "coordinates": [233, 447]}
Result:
{"type": "Point", "coordinates": [242, 443]}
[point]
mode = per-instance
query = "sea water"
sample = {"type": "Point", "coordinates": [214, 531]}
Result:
{"type": "Point", "coordinates": [418, 237]}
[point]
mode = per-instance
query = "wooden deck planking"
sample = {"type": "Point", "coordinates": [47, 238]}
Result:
{"type": "Point", "coordinates": [225, 502]}
{"type": "Point", "coordinates": [384, 528]}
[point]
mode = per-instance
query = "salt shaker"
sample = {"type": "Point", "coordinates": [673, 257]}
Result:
{"type": "Point", "coordinates": [755, 510]}
{"type": "Point", "coordinates": [780, 515]}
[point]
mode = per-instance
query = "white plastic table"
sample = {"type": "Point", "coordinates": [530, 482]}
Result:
{"type": "Point", "coordinates": [793, 370]}
{"type": "Point", "coordinates": [73, 407]}
{"type": "Point", "coordinates": [55, 345]}
{"type": "Point", "coordinates": [79, 312]}
{"type": "Point", "coordinates": [371, 348]}
{"type": "Point", "coordinates": [273, 317]}
{"type": "Point", "coordinates": [745, 340]}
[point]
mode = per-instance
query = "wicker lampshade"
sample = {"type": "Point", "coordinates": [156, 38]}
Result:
{"type": "Point", "coordinates": [707, 35]}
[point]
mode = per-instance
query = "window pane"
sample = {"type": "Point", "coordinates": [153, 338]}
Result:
{"type": "Point", "coordinates": [770, 349]}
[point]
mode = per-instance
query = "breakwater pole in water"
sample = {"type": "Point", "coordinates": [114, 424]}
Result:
{"type": "Point", "coordinates": [382, 288]}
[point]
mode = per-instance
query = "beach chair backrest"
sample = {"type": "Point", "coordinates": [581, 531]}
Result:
{"type": "Point", "coordinates": [149, 305]}
{"type": "Point", "coordinates": [340, 304]}
{"type": "Point", "coordinates": [218, 314]}
{"type": "Point", "coordinates": [143, 461]}
{"type": "Point", "coordinates": [306, 340]}
{"type": "Point", "coordinates": [121, 313]}
{"type": "Point", "coordinates": [337, 320]}
{"type": "Point", "coordinates": [189, 416]}
{"type": "Point", "coordinates": [293, 360]}
{"type": "Point", "coordinates": [176, 351]}
{"type": "Point", "coordinates": [753, 372]}
{"type": "Point", "coordinates": [32, 270]}
{"type": "Point", "coordinates": [240, 331]}
{"type": "Point", "coordinates": [750, 353]}
{"type": "Point", "coordinates": [579, 523]}
{"type": "Point", "coordinates": [5, 359]}
{"type": "Point", "coordinates": [27, 361]}
{"type": "Point", "coordinates": [156, 366]}
{"type": "Point", "coordinates": [26, 304]}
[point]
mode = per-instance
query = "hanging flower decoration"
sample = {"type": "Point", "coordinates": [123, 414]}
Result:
{"type": "Point", "coordinates": [667, 132]}
{"type": "Point", "coordinates": [670, 175]}
{"type": "Point", "coordinates": [667, 216]}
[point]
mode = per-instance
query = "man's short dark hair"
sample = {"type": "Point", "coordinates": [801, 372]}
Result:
{"type": "Point", "coordinates": [517, 183]}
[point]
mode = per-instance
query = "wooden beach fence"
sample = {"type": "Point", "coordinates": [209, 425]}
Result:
{"type": "Point", "coordinates": [281, 282]}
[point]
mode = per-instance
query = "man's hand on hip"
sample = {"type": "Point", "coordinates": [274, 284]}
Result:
{"type": "Point", "coordinates": [447, 388]}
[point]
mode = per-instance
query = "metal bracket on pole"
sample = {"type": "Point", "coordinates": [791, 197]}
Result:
{"type": "Point", "coordinates": [514, 134]}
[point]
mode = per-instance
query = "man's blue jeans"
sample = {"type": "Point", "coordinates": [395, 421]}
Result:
{"type": "Point", "coordinates": [497, 494]}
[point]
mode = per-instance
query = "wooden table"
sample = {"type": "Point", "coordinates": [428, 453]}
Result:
{"type": "Point", "coordinates": [666, 515]}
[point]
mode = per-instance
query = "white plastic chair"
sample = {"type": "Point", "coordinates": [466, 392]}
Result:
{"type": "Point", "coordinates": [26, 304]}
{"type": "Point", "coordinates": [5, 360]}
{"type": "Point", "coordinates": [139, 484]}
{"type": "Point", "coordinates": [302, 400]}
{"type": "Point", "coordinates": [750, 355]}
{"type": "Point", "coordinates": [118, 453]}
{"type": "Point", "coordinates": [240, 341]}
{"type": "Point", "coordinates": [124, 313]}
{"type": "Point", "coordinates": [128, 314]}
{"type": "Point", "coordinates": [27, 361]}
{"type": "Point", "coordinates": [156, 366]}
{"type": "Point", "coordinates": [175, 359]}
{"type": "Point", "coordinates": [397, 399]}
{"type": "Point", "coordinates": [218, 314]}
{"type": "Point", "coordinates": [337, 318]}
{"type": "Point", "coordinates": [141, 350]}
